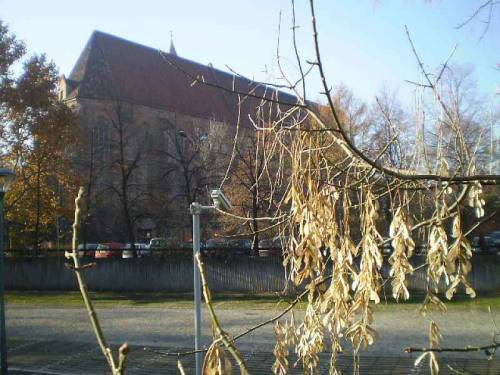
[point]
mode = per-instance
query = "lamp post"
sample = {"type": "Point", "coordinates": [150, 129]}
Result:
{"type": "Point", "coordinates": [221, 202]}
{"type": "Point", "coordinates": [6, 177]}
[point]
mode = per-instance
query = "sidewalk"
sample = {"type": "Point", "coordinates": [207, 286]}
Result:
{"type": "Point", "coordinates": [58, 357]}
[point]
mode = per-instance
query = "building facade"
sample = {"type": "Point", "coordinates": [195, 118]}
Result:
{"type": "Point", "coordinates": [152, 141]}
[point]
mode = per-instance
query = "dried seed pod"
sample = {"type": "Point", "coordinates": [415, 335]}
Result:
{"type": "Point", "coordinates": [216, 361]}
{"type": "Point", "coordinates": [475, 199]}
{"type": "Point", "coordinates": [436, 255]}
{"type": "Point", "coordinates": [434, 342]}
{"type": "Point", "coordinates": [280, 366]}
{"type": "Point", "coordinates": [311, 338]}
{"type": "Point", "coordinates": [457, 260]}
{"type": "Point", "coordinates": [403, 247]}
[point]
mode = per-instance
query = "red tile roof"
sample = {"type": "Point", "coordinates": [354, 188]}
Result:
{"type": "Point", "coordinates": [114, 68]}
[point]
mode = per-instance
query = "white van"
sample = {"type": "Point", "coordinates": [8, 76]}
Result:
{"type": "Point", "coordinates": [129, 253]}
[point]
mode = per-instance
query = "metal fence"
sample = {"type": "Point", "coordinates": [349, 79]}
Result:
{"type": "Point", "coordinates": [174, 273]}
{"type": "Point", "coordinates": [221, 251]}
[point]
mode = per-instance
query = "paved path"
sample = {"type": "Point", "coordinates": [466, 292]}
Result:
{"type": "Point", "coordinates": [56, 357]}
{"type": "Point", "coordinates": [60, 340]}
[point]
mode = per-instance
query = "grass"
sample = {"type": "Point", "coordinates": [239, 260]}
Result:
{"type": "Point", "coordinates": [114, 299]}
{"type": "Point", "coordinates": [459, 302]}
{"type": "Point", "coordinates": [223, 301]}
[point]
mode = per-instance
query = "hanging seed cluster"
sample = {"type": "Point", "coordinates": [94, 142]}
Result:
{"type": "Point", "coordinates": [403, 247]}
{"type": "Point", "coordinates": [338, 224]}
{"type": "Point", "coordinates": [475, 199]}
{"type": "Point", "coordinates": [339, 206]}
{"type": "Point", "coordinates": [434, 342]}
{"type": "Point", "coordinates": [217, 361]}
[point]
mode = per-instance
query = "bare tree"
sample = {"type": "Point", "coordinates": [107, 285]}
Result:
{"type": "Point", "coordinates": [487, 8]}
{"type": "Point", "coordinates": [334, 179]}
{"type": "Point", "coordinates": [331, 209]}
{"type": "Point", "coordinates": [252, 185]}
{"type": "Point", "coordinates": [127, 149]}
{"type": "Point", "coordinates": [192, 161]}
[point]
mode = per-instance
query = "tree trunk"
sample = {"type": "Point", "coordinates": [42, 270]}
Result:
{"type": "Point", "coordinates": [88, 198]}
{"type": "Point", "coordinates": [255, 223]}
{"type": "Point", "coordinates": [124, 190]}
{"type": "Point", "coordinates": [36, 239]}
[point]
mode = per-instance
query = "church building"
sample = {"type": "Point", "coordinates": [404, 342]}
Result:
{"type": "Point", "coordinates": [156, 134]}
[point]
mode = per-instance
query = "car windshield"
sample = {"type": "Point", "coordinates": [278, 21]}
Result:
{"type": "Point", "coordinates": [89, 246]}
{"type": "Point", "coordinates": [157, 242]}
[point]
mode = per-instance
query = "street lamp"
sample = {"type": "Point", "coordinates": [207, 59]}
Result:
{"type": "Point", "coordinates": [220, 202]}
{"type": "Point", "coordinates": [6, 177]}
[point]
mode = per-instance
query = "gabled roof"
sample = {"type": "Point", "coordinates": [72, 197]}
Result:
{"type": "Point", "coordinates": [113, 68]}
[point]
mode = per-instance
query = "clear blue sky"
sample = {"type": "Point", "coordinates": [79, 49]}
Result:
{"type": "Point", "coordinates": [363, 42]}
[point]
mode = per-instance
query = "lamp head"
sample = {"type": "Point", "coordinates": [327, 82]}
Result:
{"type": "Point", "coordinates": [220, 200]}
{"type": "Point", "coordinates": [6, 177]}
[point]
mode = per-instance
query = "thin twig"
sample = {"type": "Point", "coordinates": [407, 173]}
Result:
{"type": "Point", "coordinates": [452, 350]}
{"type": "Point", "coordinates": [349, 145]}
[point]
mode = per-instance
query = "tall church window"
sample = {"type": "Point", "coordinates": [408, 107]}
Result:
{"type": "Point", "coordinates": [101, 139]}
{"type": "Point", "coordinates": [147, 141]}
{"type": "Point", "coordinates": [126, 112]}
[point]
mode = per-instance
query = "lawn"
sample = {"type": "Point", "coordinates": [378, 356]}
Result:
{"type": "Point", "coordinates": [113, 299]}
{"type": "Point", "coordinates": [223, 301]}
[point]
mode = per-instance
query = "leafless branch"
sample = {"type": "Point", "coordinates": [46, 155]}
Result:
{"type": "Point", "coordinates": [116, 369]}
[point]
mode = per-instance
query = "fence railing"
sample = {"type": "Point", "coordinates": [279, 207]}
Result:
{"type": "Point", "coordinates": [186, 249]}
{"type": "Point", "coordinates": [174, 273]}
{"type": "Point", "coordinates": [128, 253]}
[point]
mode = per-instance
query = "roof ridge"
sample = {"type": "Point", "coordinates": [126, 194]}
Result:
{"type": "Point", "coordinates": [105, 34]}
{"type": "Point", "coordinates": [208, 65]}
{"type": "Point", "coordinates": [84, 54]}
{"type": "Point", "coordinates": [119, 69]}
{"type": "Point", "coordinates": [114, 86]}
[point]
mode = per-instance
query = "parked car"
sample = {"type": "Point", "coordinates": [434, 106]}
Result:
{"type": "Point", "coordinates": [136, 252]}
{"type": "Point", "coordinates": [215, 246]}
{"type": "Point", "coordinates": [386, 247]}
{"type": "Point", "coordinates": [489, 244]}
{"type": "Point", "coordinates": [280, 241]}
{"type": "Point", "coordinates": [476, 245]}
{"type": "Point", "coordinates": [144, 250]}
{"type": "Point", "coordinates": [186, 246]}
{"type": "Point", "coordinates": [240, 246]}
{"type": "Point", "coordinates": [265, 243]}
{"type": "Point", "coordinates": [421, 249]}
{"type": "Point", "coordinates": [109, 250]}
{"type": "Point", "coordinates": [157, 246]}
{"type": "Point", "coordinates": [495, 242]}
{"type": "Point", "coordinates": [87, 250]}
{"type": "Point", "coordinates": [271, 247]}
{"type": "Point", "coordinates": [222, 246]}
